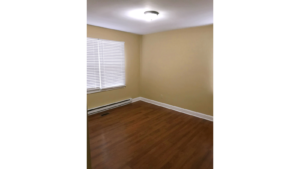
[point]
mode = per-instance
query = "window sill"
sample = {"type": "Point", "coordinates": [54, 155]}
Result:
{"type": "Point", "coordinates": [104, 90]}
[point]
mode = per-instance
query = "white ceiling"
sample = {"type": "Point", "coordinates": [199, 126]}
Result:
{"type": "Point", "coordinates": [127, 15]}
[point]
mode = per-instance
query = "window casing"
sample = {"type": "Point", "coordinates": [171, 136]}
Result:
{"type": "Point", "coordinates": [105, 65]}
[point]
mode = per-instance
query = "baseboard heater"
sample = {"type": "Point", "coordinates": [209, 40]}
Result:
{"type": "Point", "coordinates": [109, 106]}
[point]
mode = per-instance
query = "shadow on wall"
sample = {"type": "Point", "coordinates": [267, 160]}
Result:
{"type": "Point", "coordinates": [211, 76]}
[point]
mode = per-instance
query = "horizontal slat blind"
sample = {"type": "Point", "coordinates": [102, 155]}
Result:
{"type": "Point", "coordinates": [93, 79]}
{"type": "Point", "coordinates": [112, 64]}
{"type": "Point", "coordinates": [105, 64]}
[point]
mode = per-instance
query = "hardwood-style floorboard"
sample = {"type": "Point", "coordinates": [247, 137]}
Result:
{"type": "Point", "coordinates": [145, 136]}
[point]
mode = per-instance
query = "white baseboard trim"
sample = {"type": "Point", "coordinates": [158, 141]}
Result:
{"type": "Point", "coordinates": [136, 99]}
{"type": "Point", "coordinates": [178, 109]}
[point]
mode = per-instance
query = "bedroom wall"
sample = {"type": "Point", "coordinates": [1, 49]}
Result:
{"type": "Point", "coordinates": [132, 54]}
{"type": "Point", "coordinates": [174, 67]}
{"type": "Point", "coordinates": [177, 68]}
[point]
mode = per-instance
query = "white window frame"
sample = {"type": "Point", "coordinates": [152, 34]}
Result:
{"type": "Point", "coordinates": [111, 88]}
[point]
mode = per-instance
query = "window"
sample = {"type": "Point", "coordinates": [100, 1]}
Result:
{"type": "Point", "coordinates": [105, 65]}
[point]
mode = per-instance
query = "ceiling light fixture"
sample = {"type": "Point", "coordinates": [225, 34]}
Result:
{"type": "Point", "coordinates": [151, 15]}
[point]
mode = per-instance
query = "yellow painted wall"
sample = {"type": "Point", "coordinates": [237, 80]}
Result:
{"type": "Point", "coordinates": [132, 54]}
{"type": "Point", "coordinates": [173, 67]}
{"type": "Point", "coordinates": [177, 68]}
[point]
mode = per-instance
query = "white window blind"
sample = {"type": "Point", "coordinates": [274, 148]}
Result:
{"type": "Point", "coordinates": [93, 79]}
{"type": "Point", "coordinates": [105, 64]}
{"type": "Point", "coordinates": [112, 64]}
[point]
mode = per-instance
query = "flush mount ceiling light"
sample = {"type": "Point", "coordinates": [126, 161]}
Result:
{"type": "Point", "coordinates": [151, 15]}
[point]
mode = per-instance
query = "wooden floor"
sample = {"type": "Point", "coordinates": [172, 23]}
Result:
{"type": "Point", "coordinates": [146, 136]}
